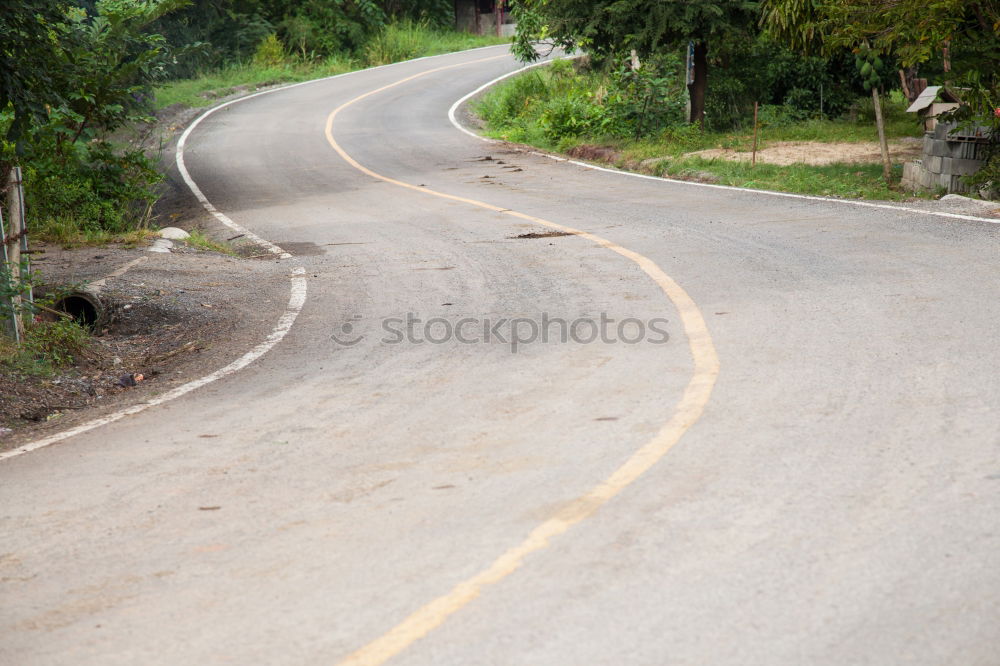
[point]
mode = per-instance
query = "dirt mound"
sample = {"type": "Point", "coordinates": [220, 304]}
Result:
{"type": "Point", "coordinates": [815, 153]}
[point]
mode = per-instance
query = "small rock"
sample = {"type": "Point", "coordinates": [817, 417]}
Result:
{"type": "Point", "coordinates": [116, 361]}
{"type": "Point", "coordinates": [173, 233]}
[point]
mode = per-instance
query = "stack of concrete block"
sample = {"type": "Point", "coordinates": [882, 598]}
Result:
{"type": "Point", "coordinates": [946, 158]}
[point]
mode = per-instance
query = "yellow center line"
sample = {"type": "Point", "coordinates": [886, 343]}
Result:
{"type": "Point", "coordinates": [690, 408]}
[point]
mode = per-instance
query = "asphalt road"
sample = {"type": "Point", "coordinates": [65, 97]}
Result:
{"type": "Point", "coordinates": [832, 499]}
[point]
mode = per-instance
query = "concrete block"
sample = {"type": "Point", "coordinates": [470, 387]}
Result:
{"type": "Point", "coordinates": [941, 130]}
{"type": "Point", "coordinates": [968, 150]}
{"type": "Point", "coordinates": [928, 142]}
{"type": "Point", "coordinates": [951, 183]}
{"type": "Point", "coordinates": [940, 148]}
{"type": "Point", "coordinates": [964, 167]}
{"type": "Point", "coordinates": [928, 180]}
{"type": "Point", "coordinates": [934, 163]}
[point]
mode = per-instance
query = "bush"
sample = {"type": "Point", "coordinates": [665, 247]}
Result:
{"type": "Point", "coordinates": [270, 52]}
{"type": "Point", "coordinates": [559, 103]}
{"type": "Point", "coordinates": [94, 187]}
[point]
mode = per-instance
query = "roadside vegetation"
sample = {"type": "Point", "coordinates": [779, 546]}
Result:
{"type": "Point", "coordinates": [636, 120]}
{"type": "Point", "coordinates": [273, 63]}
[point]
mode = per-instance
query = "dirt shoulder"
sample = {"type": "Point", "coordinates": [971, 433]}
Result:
{"type": "Point", "coordinates": [170, 318]}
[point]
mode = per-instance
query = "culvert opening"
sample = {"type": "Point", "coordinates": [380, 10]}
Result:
{"type": "Point", "coordinates": [85, 308]}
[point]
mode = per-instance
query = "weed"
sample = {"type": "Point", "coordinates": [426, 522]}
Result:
{"type": "Point", "coordinates": [199, 240]}
{"type": "Point", "coordinates": [46, 347]}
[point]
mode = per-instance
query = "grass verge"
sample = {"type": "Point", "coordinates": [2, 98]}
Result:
{"type": "Point", "coordinates": [68, 231]}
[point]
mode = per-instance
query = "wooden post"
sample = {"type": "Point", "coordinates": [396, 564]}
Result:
{"type": "Point", "coordinates": [12, 248]}
{"type": "Point", "coordinates": [753, 157]}
{"type": "Point", "coordinates": [883, 144]}
{"type": "Point", "coordinates": [479, 20]}
{"type": "Point", "coordinates": [496, 17]}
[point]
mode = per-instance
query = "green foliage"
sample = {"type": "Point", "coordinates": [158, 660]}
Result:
{"type": "Point", "coordinates": [28, 78]}
{"type": "Point", "coordinates": [559, 104]}
{"type": "Point", "coordinates": [103, 66]}
{"type": "Point", "coordinates": [323, 27]}
{"type": "Point", "coordinates": [614, 27]}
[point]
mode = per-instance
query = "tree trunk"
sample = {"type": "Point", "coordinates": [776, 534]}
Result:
{"type": "Point", "coordinates": [696, 89]}
{"type": "Point", "coordinates": [883, 144]}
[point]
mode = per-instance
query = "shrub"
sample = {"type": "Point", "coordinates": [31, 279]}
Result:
{"type": "Point", "coordinates": [270, 52]}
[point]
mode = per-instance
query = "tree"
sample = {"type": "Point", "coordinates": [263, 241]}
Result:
{"type": "Point", "coordinates": [28, 39]}
{"type": "Point", "coordinates": [616, 27]}
{"type": "Point", "coordinates": [912, 31]}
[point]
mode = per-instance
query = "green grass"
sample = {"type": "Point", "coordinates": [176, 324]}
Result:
{"type": "Point", "coordinates": [204, 90]}
{"type": "Point", "coordinates": [400, 41]}
{"type": "Point", "coordinates": [69, 231]}
{"type": "Point", "coordinates": [850, 181]}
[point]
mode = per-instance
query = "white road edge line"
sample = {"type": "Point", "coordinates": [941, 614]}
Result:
{"type": "Point", "coordinates": [296, 299]}
{"type": "Point", "coordinates": [788, 195]}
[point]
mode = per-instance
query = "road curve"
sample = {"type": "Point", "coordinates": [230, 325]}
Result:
{"type": "Point", "coordinates": [835, 502]}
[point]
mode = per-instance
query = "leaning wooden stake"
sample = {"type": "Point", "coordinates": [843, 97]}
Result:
{"type": "Point", "coordinates": [883, 144]}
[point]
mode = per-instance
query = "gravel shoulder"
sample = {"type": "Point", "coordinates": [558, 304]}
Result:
{"type": "Point", "coordinates": [171, 318]}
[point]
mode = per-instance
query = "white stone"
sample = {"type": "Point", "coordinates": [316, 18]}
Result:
{"type": "Point", "coordinates": [173, 233]}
